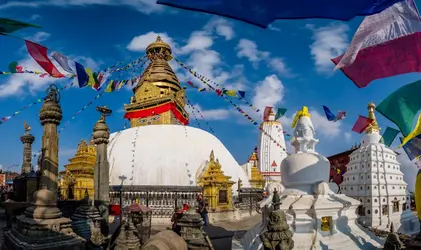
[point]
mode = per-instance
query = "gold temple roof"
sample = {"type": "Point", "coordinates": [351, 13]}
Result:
{"type": "Point", "coordinates": [84, 159]}
{"type": "Point", "coordinates": [213, 172]}
{"type": "Point", "coordinates": [255, 174]}
{"type": "Point", "coordinates": [158, 46]}
{"type": "Point", "coordinates": [373, 127]}
{"type": "Point", "coordinates": [253, 156]}
{"type": "Point", "coordinates": [84, 149]}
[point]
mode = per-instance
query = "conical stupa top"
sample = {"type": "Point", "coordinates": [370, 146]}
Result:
{"type": "Point", "coordinates": [373, 127]}
{"type": "Point", "coordinates": [159, 46]}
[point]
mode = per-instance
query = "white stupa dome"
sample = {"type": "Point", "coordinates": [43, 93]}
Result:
{"type": "Point", "coordinates": [167, 155]}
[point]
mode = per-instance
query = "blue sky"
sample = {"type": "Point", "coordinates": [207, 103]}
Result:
{"type": "Point", "coordinates": [287, 65]}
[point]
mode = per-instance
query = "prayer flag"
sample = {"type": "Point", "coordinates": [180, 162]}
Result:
{"type": "Point", "coordinates": [329, 115]}
{"type": "Point", "coordinates": [242, 94]}
{"type": "Point", "coordinates": [361, 124]}
{"type": "Point", "coordinates": [39, 54]}
{"type": "Point", "coordinates": [63, 61]}
{"type": "Point", "coordinates": [413, 147]}
{"type": "Point", "coordinates": [389, 136]}
{"type": "Point", "coordinates": [230, 92]}
{"type": "Point", "coordinates": [109, 87]}
{"type": "Point", "coordinates": [416, 132]}
{"type": "Point", "coordinates": [266, 113]}
{"type": "Point", "coordinates": [91, 80]}
{"type": "Point", "coordinates": [12, 67]}
{"type": "Point", "coordinates": [263, 13]}
{"type": "Point", "coordinates": [82, 76]}
{"type": "Point", "coordinates": [340, 116]}
{"type": "Point", "coordinates": [280, 112]}
{"type": "Point", "coordinates": [386, 44]}
{"type": "Point", "coordinates": [10, 26]}
{"type": "Point", "coordinates": [418, 163]}
{"type": "Point", "coordinates": [191, 84]}
{"type": "Point", "coordinates": [401, 106]}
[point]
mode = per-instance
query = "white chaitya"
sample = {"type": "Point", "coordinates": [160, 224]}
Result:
{"type": "Point", "coordinates": [272, 149]}
{"type": "Point", "coordinates": [319, 218]}
{"type": "Point", "coordinates": [375, 179]}
{"type": "Point", "coordinates": [167, 155]}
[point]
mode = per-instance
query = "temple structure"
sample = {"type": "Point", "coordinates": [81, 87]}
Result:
{"type": "Point", "coordinates": [271, 154]}
{"type": "Point", "coordinates": [318, 217]}
{"type": "Point", "coordinates": [338, 164]}
{"type": "Point", "coordinates": [158, 97]}
{"type": "Point", "coordinates": [253, 172]}
{"type": "Point", "coordinates": [159, 149]}
{"type": "Point", "coordinates": [374, 178]}
{"type": "Point", "coordinates": [217, 187]}
{"type": "Point", "coordinates": [78, 177]}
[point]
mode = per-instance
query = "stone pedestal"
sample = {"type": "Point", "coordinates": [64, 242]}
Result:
{"type": "Point", "coordinates": [42, 227]}
{"type": "Point", "coordinates": [24, 187]}
{"type": "Point", "coordinates": [86, 222]}
{"type": "Point", "coordinates": [191, 231]}
{"type": "Point", "coordinates": [128, 238]}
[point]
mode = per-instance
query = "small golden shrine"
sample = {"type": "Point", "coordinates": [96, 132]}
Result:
{"type": "Point", "coordinates": [217, 187]}
{"type": "Point", "coordinates": [373, 127]}
{"type": "Point", "coordinates": [256, 180]}
{"type": "Point", "coordinates": [79, 173]}
{"type": "Point", "coordinates": [158, 97]}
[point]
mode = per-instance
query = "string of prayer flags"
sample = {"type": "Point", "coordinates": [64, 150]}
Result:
{"type": "Point", "coordinates": [401, 106]}
{"type": "Point", "coordinates": [63, 61]}
{"type": "Point", "coordinates": [242, 94]}
{"type": "Point", "coordinates": [361, 124]}
{"type": "Point", "coordinates": [329, 115]}
{"type": "Point", "coordinates": [231, 93]}
{"type": "Point", "coordinates": [412, 147]}
{"type": "Point", "coordinates": [191, 84]}
{"type": "Point", "coordinates": [39, 100]}
{"type": "Point", "coordinates": [39, 54]}
{"type": "Point", "coordinates": [280, 112]}
{"type": "Point", "coordinates": [8, 26]}
{"type": "Point", "coordinates": [416, 132]}
{"type": "Point", "coordinates": [201, 115]}
{"type": "Point", "coordinates": [202, 79]}
{"type": "Point", "coordinates": [389, 136]}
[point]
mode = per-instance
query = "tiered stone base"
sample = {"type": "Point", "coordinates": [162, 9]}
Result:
{"type": "Point", "coordinates": [37, 234]}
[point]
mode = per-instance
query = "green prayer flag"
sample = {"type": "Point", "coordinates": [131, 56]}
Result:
{"type": "Point", "coordinates": [281, 112]}
{"type": "Point", "coordinates": [401, 106]}
{"type": "Point", "coordinates": [10, 26]}
{"type": "Point", "coordinates": [389, 136]}
{"type": "Point", "coordinates": [12, 67]}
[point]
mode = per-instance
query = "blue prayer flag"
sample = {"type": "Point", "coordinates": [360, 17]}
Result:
{"type": "Point", "coordinates": [263, 12]}
{"type": "Point", "coordinates": [329, 115]}
{"type": "Point", "coordinates": [413, 147]}
{"type": "Point", "coordinates": [82, 76]}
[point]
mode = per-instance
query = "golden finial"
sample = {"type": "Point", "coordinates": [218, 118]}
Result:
{"type": "Point", "coordinates": [159, 49]}
{"type": "Point", "coordinates": [212, 156]}
{"type": "Point", "coordinates": [26, 127]}
{"type": "Point", "coordinates": [300, 113]}
{"type": "Point", "coordinates": [373, 127]}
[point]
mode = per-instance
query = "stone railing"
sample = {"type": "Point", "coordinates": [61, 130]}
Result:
{"type": "Point", "coordinates": [161, 199]}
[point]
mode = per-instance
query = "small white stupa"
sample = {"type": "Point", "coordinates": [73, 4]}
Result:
{"type": "Point", "coordinates": [319, 218]}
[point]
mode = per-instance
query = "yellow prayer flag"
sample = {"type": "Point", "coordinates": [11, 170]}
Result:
{"type": "Point", "coordinates": [91, 80]}
{"type": "Point", "coordinates": [230, 92]}
{"type": "Point", "coordinates": [416, 132]}
{"type": "Point", "coordinates": [109, 87]}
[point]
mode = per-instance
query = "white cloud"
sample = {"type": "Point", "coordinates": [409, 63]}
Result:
{"type": "Point", "coordinates": [329, 42]}
{"type": "Point", "coordinates": [348, 136]}
{"type": "Point", "coordinates": [210, 114]}
{"type": "Point", "coordinates": [144, 6]}
{"type": "Point", "coordinates": [273, 28]}
{"type": "Point", "coordinates": [199, 40]}
{"type": "Point", "coordinates": [40, 36]}
{"type": "Point", "coordinates": [222, 28]}
{"type": "Point", "coordinates": [248, 49]}
{"type": "Point", "coordinates": [268, 92]}
{"type": "Point", "coordinates": [139, 43]}
{"type": "Point", "coordinates": [35, 17]}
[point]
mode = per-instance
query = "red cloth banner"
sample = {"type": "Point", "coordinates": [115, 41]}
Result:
{"type": "Point", "coordinates": [39, 54]}
{"type": "Point", "coordinates": [156, 111]}
{"type": "Point", "coordinates": [361, 124]}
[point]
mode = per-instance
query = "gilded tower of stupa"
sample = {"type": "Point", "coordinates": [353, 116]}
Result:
{"type": "Point", "coordinates": [79, 174]}
{"type": "Point", "coordinates": [158, 97]}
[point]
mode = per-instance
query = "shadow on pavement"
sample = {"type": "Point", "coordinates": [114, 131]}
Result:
{"type": "Point", "coordinates": [220, 237]}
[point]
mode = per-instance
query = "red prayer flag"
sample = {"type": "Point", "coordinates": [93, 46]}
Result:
{"type": "Point", "coordinates": [266, 113]}
{"type": "Point", "coordinates": [39, 53]}
{"type": "Point", "coordinates": [361, 124]}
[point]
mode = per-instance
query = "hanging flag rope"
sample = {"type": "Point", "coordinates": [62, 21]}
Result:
{"type": "Point", "coordinates": [39, 100]}
{"type": "Point", "coordinates": [200, 114]}
{"type": "Point", "coordinates": [104, 90]}
{"type": "Point", "coordinates": [193, 113]}
{"type": "Point", "coordinates": [228, 100]}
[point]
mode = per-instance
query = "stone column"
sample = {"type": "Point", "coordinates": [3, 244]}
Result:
{"type": "Point", "coordinates": [101, 135]}
{"type": "Point", "coordinates": [27, 139]}
{"type": "Point", "coordinates": [50, 116]}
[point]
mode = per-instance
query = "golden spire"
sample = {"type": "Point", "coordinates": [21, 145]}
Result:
{"type": "Point", "coordinates": [159, 49]}
{"type": "Point", "coordinates": [212, 156]}
{"type": "Point", "coordinates": [373, 127]}
{"type": "Point", "coordinates": [84, 149]}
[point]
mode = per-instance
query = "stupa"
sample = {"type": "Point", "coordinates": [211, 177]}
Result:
{"type": "Point", "coordinates": [318, 217]}
{"type": "Point", "coordinates": [374, 177]}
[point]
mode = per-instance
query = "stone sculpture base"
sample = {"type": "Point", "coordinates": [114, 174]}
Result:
{"type": "Point", "coordinates": [37, 234]}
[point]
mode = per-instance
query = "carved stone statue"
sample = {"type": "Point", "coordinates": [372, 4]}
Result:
{"type": "Point", "coordinates": [53, 94]}
{"type": "Point", "coordinates": [392, 241]}
{"type": "Point", "coordinates": [278, 236]}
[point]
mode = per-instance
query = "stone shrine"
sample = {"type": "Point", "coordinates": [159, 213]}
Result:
{"type": "Point", "coordinates": [42, 226]}
{"type": "Point", "coordinates": [317, 216]}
